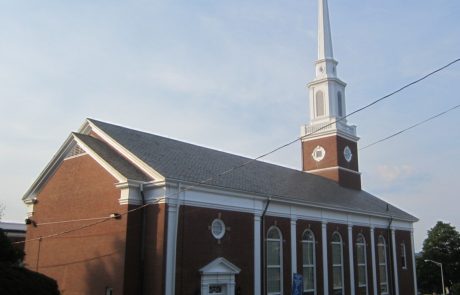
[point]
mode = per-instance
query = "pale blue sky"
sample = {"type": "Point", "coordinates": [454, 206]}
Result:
{"type": "Point", "coordinates": [232, 75]}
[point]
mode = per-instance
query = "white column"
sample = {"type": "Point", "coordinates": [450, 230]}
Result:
{"type": "Point", "coordinates": [414, 272]}
{"type": "Point", "coordinates": [325, 266]}
{"type": "Point", "coordinates": [351, 260]}
{"type": "Point", "coordinates": [171, 248]}
{"type": "Point", "coordinates": [374, 269]}
{"type": "Point", "coordinates": [293, 247]}
{"type": "Point", "coordinates": [395, 261]}
{"type": "Point", "coordinates": [257, 258]}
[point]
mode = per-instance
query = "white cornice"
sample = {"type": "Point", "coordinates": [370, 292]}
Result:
{"type": "Point", "coordinates": [324, 132]}
{"type": "Point", "coordinates": [334, 168]}
{"type": "Point", "coordinates": [100, 160]}
{"type": "Point", "coordinates": [326, 80]}
{"type": "Point", "coordinates": [126, 153]}
{"type": "Point", "coordinates": [260, 197]}
{"type": "Point", "coordinates": [50, 168]}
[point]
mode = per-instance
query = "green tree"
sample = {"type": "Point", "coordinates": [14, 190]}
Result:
{"type": "Point", "coordinates": [441, 245]}
{"type": "Point", "coordinates": [8, 253]}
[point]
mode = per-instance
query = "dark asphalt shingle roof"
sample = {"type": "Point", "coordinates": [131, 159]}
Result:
{"type": "Point", "coordinates": [178, 160]}
{"type": "Point", "coordinates": [113, 158]}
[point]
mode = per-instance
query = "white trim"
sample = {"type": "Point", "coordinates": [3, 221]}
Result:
{"type": "Point", "coordinates": [325, 264]}
{"type": "Point", "coordinates": [374, 269]}
{"type": "Point", "coordinates": [281, 266]}
{"type": "Point", "coordinates": [333, 168]}
{"type": "Point", "coordinates": [220, 272]}
{"type": "Point", "coordinates": [313, 265]}
{"type": "Point", "coordinates": [293, 248]}
{"type": "Point", "coordinates": [395, 261]}
{"type": "Point", "coordinates": [363, 245]}
{"type": "Point", "coordinates": [100, 160]}
{"type": "Point", "coordinates": [413, 262]}
{"type": "Point", "coordinates": [244, 202]}
{"type": "Point", "coordinates": [257, 255]}
{"type": "Point", "coordinates": [220, 234]}
{"type": "Point", "coordinates": [171, 245]}
{"type": "Point", "coordinates": [351, 260]}
{"type": "Point", "coordinates": [342, 262]}
{"type": "Point", "coordinates": [50, 168]}
{"type": "Point", "coordinates": [125, 152]}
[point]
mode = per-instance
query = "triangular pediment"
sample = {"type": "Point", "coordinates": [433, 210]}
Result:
{"type": "Point", "coordinates": [220, 266]}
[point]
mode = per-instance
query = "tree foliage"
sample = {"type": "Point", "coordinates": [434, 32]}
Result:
{"type": "Point", "coordinates": [15, 279]}
{"type": "Point", "coordinates": [8, 253]}
{"type": "Point", "coordinates": [442, 245]}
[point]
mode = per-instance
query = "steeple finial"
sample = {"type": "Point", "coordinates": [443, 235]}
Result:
{"type": "Point", "coordinates": [324, 32]}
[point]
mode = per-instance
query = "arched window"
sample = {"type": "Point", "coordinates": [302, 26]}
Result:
{"type": "Point", "coordinates": [362, 263]}
{"type": "Point", "coordinates": [339, 104]}
{"type": "Point", "coordinates": [403, 256]}
{"type": "Point", "coordinates": [274, 262]}
{"type": "Point", "coordinates": [383, 274]}
{"type": "Point", "coordinates": [337, 264]}
{"type": "Point", "coordinates": [308, 262]}
{"type": "Point", "coordinates": [319, 101]}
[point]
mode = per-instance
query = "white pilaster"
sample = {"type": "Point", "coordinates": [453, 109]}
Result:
{"type": "Point", "coordinates": [351, 259]}
{"type": "Point", "coordinates": [171, 248]}
{"type": "Point", "coordinates": [413, 261]}
{"type": "Point", "coordinates": [325, 265]}
{"type": "Point", "coordinates": [257, 255]}
{"type": "Point", "coordinates": [395, 261]}
{"type": "Point", "coordinates": [374, 269]}
{"type": "Point", "coordinates": [293, 247]}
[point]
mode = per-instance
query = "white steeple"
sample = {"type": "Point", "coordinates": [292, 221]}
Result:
{"type": "Point", "coordinates": [327, 91]}
{"type": "Point", "coordinates": [324, 32]}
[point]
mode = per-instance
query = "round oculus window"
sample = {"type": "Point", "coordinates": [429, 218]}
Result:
{"type": "Point", "coordinates": [218, 228]}
{"type": "Point", "coordinates": [347, 154]}
{"type": "Point", "coordinates": [318, 153]}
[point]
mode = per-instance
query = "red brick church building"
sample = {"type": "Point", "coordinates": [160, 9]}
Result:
{"type": "Point", "coordinates": [120, 211]}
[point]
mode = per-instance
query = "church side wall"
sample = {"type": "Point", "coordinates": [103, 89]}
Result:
{"type": "Point", "coordinates": [85, 261]}
{"type": "Point", "coordinates": [196, 247]}
{"type": "Point", "coordinates": [406, 277]}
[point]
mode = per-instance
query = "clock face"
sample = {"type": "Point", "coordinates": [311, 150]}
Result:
{"type": "Point", "coordinates": [347, 154]}
{"type": "Point", "coordinates": [318, 153]}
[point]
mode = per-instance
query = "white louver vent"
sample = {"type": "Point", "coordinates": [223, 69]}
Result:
{"type": "Point", "coordinates": [75, 151]}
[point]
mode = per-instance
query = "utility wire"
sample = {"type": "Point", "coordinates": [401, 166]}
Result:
{"type": "Point", "coordinates": [411, 127]}
{"type": "Point", "coordinates": [270, 152]}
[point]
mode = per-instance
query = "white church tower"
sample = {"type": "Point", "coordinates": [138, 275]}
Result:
{"type": "Point", "coordinates": [329, 144]}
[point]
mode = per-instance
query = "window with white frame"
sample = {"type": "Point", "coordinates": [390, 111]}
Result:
{"type": "Point", "coordinates": [274, 262]}
{"type": "Point", "coordinates": [362, 263]}
{"type": "Point", "coordinates": [337, 264]}
{"type": "Point", "coordinates": [382, 256]}
{"type": "Point", "coordinates": [319, 101]}
{"type": "Point", "coordinates": [403, 256]}
{"type": "Point", "coordinates": [308, 262]}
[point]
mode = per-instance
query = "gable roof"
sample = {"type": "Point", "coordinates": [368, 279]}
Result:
{"type": "Point", "coordinates": [181, 161]}
{"type": "Point", "coordinates": [114, 159]}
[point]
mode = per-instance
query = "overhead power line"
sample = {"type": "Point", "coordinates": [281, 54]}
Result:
{"type": "Point", "coordinates": [263, 155]}
{"type": "Point", "coordinates": [411, 127]}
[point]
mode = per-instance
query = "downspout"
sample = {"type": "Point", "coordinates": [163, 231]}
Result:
{"type": "Point", "coordinates": [263, 246]}
{"type": "Point", "coordinates": [142, 245]}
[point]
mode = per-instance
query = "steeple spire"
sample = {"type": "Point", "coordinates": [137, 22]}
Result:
{"type": "Point", "coordinates": [324, 32]}
{"type": "Point", "coordinates": [329, 144]}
